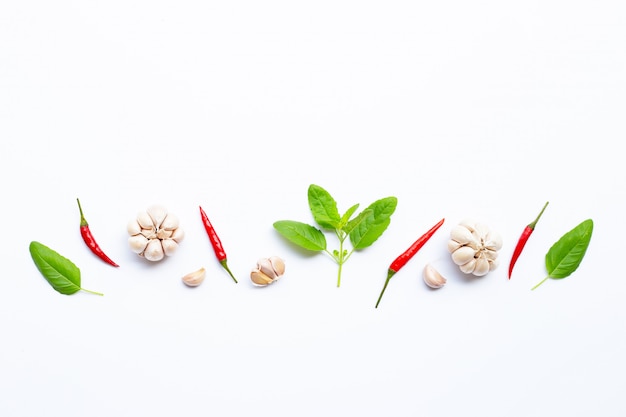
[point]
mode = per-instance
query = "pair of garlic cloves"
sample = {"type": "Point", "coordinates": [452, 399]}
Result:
{"type": "Point", "coordinates": [267, 271]}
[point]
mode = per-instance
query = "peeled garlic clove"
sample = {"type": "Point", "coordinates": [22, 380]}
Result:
{"type": "Point", "coordinates": [259, 278]}
{"type": "Point", "coordinates": [157, 214]}
{"type": "Point", "coordinates": [463, 255]}
{"type": "Point", "coordinates": [137, 243]}
{"type": "Point", "coordinates": [433, 278]}
{"type": "Point", "coordinates": [193, 279]}
{"type": "Point", "coordinates": [154, 250]}
{"type": "Point", "coordinates": [170, 222]}
{"type": "Point", "coordinates": [169, 246]}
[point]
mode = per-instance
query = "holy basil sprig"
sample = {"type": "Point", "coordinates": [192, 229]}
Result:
{"type": "Point", "coordinates": [60, 272]}
{"type": "Point", "coordinates": [363, 229]}
{"type": "Point", "coordinates": [567, 253]}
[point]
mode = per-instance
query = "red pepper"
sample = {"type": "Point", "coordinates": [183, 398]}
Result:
{"type": "Point", "coordinates": [401, 260]}
{"type": "Point", "coordinates": [89, 239]}
{"type": "Point", "coordinates": [215, 242]}
{"type": "Point", "coordinates": [528, 230]}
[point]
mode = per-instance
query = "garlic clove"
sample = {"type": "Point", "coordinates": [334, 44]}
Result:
{"type": "Point", "coordinates": [169, 246]}
{"type": "Point", "coordinates": [278, 264]}
{"type": "Point", "coordinates": [157, 214]}
{"type": "Point", "coordinates": [178, 235]}
{"type": "Point", "coordinates": [259, 278]}
{"type": "Point", "coordinates": [193, 279]}
{"type": "Point", "coordinates": [493, 264]}
{"type": "Point", "coordinates": [469, 224]}
{"type": "Point", "coordinates": [170, 222]}
{"type": "Point", "coordinates": [481, 268]}
{"type": "Point", "coordinates": [468, 268]}
{"type": "Point", "coordinates": [493, 241]}
{"type": "Point", "coordinates": [137, 243]}
{"type": "Point", "coordinates": [133, 228]}
{"type": "Point", "coordinates": [433, 278]}
{"type": "Point", "coordinates": [453, 245]}
{"type": "Point", "coordinates": [463, 255]}
{"type": "Point", "coordinates": [154, 250]}
{"type": "Point", "coordinates": [144, 220]}
{"type": "Point", "coordinates": [461, 234]}
{"type": "Point", "coordinates": [265, 266]}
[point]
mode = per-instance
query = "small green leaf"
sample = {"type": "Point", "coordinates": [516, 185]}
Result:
{"type": "Point", "coordinates": [352, 224]}
{"type": "Point", "coordinates": [60, 272]}
{"type": "Point", "coordinates": [374, 224]}
{"type": "Point", "coordinates": [347, 215]}
{"type": "Point", "coordinates": [567, 253]}
{"type": "Point", "coordinates": [323, 207]}
{"type": "Point", "coordinates": [301, 234]}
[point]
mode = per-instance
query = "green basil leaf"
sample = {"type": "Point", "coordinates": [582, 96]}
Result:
{"type": "Point", "coordinates": [323, 207]}
{"type": "Point", "coordinates": [346, 217]}
{"type": "Point", "coordinates": [374, 224]}
{"type": "Point", "coordinates": [59, 271]}
{"type": "Point", "coordinates": [567, 253]}
{"type": "Point", "coordinates": [348, 228]}
{"type": "Point", "coordinates": [302, 234]}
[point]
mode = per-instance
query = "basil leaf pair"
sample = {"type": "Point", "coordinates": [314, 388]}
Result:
{"type": "Point", "coordinates": [362, 230]}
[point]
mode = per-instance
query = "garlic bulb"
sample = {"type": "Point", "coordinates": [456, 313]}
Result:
{"type": "Point", "coordinates": [155, 233]}
{"type": "Point", "coordinates": [474, 247]}
{"type": "Point", "coordinates": [267, 270]}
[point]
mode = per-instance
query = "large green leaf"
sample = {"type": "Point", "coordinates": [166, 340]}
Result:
{"type": "Point", "coordinates": [567, 253]}
{"type": "Point", "coordinates": [323, 207]}
{"type": "Point", "coordinates": [302, 234]}
{"type": "Point", "coordinates": [60, 272]}
{"type": "Point", "coordinates": [372, 226]}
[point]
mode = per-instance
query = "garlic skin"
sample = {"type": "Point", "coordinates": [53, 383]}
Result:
{"type": "Point", "coordinates": [267, 271]}
{"type": "Point", "coordinates": [154, 233]}
{"type": "Point", "coordinates": [474, 247]}
{"type": "Point", "coordinates": [195, 278]}
{"type": "Point", "coordinates": [433, 278]}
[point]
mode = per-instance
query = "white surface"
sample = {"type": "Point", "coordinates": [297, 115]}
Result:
{"type": "Point", "coordinates": [459, 109]}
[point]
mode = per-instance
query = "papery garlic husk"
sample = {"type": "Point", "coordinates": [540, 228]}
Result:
{"type": "Point", "coordinates": [195, 278]}
{"type": "Point", "coordinates": [154, 233]}
{"type": "Point", "coordinates": [433, 278]}
{"type": "Point", "coordinates": [474, 247]}
{"type": "Point", "coordinates": [267, 271]}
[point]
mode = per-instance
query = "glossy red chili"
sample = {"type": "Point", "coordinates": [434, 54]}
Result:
{"type": "Point", "coordinates": [528, 230]}
{"type": "Point", "coordinates": [401, 260]}
{"type": "Point", "coordinates": [85, 232]}
{"type": "Point", "coordinates": [216, 243]}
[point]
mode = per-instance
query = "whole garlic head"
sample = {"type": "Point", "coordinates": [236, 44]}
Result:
{"type": "Point", "coordinates": [267, 270]}
{"type": "Point", "coordinates": [474, 247]}
{"type": "Point", "coordinates": [155, 233]}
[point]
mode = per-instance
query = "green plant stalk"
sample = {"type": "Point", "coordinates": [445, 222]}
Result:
{"type": "Point", "coordinates": [342, 256]}
{"type": "Point", "coordinates": [541, 282]}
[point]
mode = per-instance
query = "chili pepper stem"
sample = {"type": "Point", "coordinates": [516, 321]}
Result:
{"type": "Point", "coordinates": [542, 281]}
{"type": "Point", "coordinates": [225, 266]}
{"type": "Point", "coordinates": [390, 273]}
{"type": "Point", "coordinates": [534, 223]}
{"type": "Point", "coordinates": [83, 222]}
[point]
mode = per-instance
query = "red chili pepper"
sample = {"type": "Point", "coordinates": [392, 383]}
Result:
{"type": "Point", "coordinates": [528, 230]}
{"type": "Point", "coordinates": [401, 260]}
{"type": "Point", "coordinates": [89, 239]}
{"type": "Point", "coordinates": [216, 243]}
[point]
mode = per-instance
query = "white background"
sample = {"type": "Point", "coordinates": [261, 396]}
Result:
{"type": "Point", "coordinates": [460, 109]}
